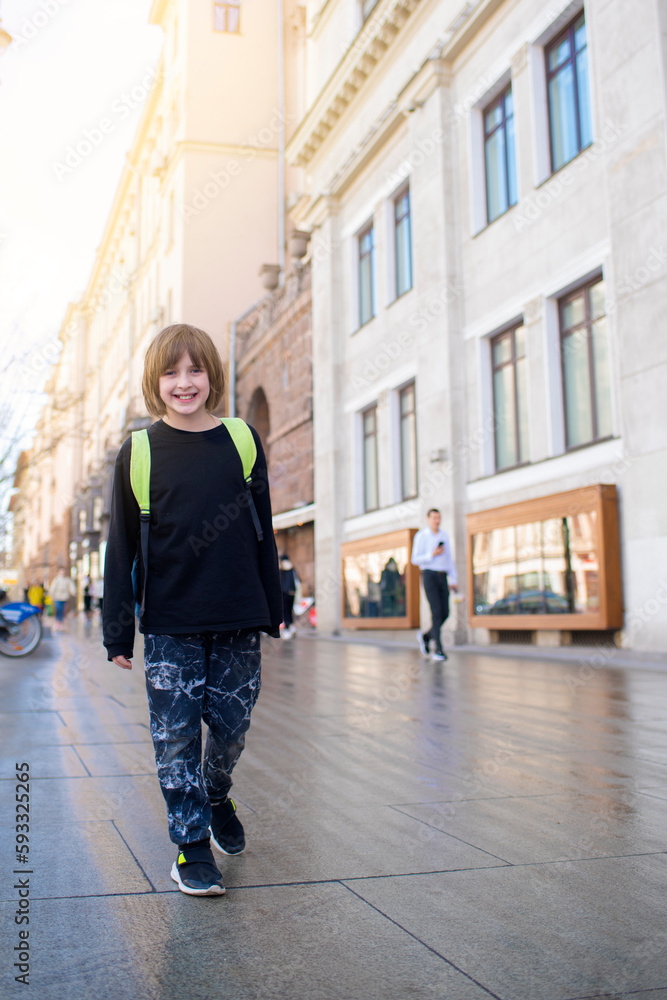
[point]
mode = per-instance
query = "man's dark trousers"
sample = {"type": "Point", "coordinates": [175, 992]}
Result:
{"type": "Point", "coordinates": [437, 595]}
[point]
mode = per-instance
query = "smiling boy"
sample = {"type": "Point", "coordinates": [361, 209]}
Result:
{"type": "Point", "coordinates": [205, 604]}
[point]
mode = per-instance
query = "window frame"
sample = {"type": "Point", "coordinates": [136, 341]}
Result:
{"type": "Point", "coordinates": [508, 331]}
{"type": "Point", "coordinates": [373, 408]}
{"type": "Point", "coordinates": [499, 99]}
{"type": "Point", "coordinates": [567, 32]}
{"type": "Point", "coordinates": [412, 385]}
{"type": "Point", "coordinates": [369, 228]}
{"type": "Point", "coordinates": [399, 196]}
{"type": "Point", "coordinates": [225, 6]}
{"type": "Point", "coordinates": [583, 289]}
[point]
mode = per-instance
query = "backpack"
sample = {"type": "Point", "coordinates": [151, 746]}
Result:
{"type": "Point", "coordinates": [140, 479]}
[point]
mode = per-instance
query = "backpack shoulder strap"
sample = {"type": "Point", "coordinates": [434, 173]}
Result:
{"type": "Point", "coordinates": [244, 442]}
{"type": "Point", "coordinates": [140, 470]}
{"type": "Point", "coordinates": [140, 480]}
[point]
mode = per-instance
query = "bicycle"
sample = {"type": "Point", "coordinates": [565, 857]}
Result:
{"type": "Point", "coordinates": [20, 627]}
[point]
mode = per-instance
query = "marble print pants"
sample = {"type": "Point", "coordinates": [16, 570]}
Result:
{"type": "Point", "coordinates": [214, 677]}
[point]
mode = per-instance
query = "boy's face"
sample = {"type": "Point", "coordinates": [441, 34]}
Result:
{"type": "Point", "coordinates": [184, 390]}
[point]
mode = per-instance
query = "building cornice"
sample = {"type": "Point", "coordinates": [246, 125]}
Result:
{"type": "Point", "coordinates": [358, 64]}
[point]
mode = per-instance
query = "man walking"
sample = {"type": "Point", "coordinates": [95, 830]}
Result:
{"type": "Point", "coordinates": [432, 552]}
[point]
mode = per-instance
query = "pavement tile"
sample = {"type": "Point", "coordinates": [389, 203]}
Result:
{"type": "Point", "coordinates": [118, 758]}
{"type": "Point", "coordinates": [303, 841]}
{"type": "Point", "coordinates": [314, 942]}
{"type": "Point", "coordinates": [30, 729]}
{"type": "Point", "coordinates": [57, 801]}
{"type": "Point", "coordinates": [546, 932]}
{"type": "Point", "coordinates": [45, 762]}
{"type": "Point", "coordinates": [552, 828]}
{"type": "Point", "coordinates": [77, 859]}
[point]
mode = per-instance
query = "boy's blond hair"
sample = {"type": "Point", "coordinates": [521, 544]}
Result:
{"type": "Point", "coordinates": [167, 349]}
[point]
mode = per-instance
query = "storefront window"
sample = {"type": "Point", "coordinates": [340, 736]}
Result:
{"type": "Point", "coordinates": [375, 584]}
{"type": "Point", "coordinates": [545, 567]}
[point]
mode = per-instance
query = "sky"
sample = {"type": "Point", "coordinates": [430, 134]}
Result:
{"type": "Point", "coordinates": [71, 64]}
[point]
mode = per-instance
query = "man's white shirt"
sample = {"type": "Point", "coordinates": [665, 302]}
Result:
{"type": "Point", "coordinates": [423, 545]}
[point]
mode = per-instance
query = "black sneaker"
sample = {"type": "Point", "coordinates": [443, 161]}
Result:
{"type": "Point", "coordinates": [195, 870]}
{"type": "Point", "coordinates": [439, 654]}
{"type": "Point", "coordinates": [226, 829]}
{"type": "Point", "coordinates": [423, 643]}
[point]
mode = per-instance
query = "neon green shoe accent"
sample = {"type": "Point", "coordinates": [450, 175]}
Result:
{"type": "Point", "coordinates": [181, 859]}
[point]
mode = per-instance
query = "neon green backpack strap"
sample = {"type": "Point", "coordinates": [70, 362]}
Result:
{"type": "Point", "coordinates": [242, 437]}
{"type": "Point", "coordinates": [140, 470]}
{"type": "Point", "coordinates": [244, 443]}
{"type": "Point", "coordinates": [140, 481]}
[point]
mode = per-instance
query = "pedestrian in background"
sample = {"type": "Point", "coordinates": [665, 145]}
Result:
{"type": "Point", "coordinates": [87, 599]}
{"type": "Point", "coordinates": [36, 595]}
{"type": "Point", "coordinates": [60, 591]}
{"type": "Point", "coordinates": [432, 552]}
{"type": "Point", "coordinates": [97, 590]}
{"type": "Point", "coordinates": [289, 582]}
{"type": "Point", "coordinates": [208, 592]}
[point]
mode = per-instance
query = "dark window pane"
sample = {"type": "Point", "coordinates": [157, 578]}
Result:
{"type": "Point", "coordinates": [585, 124]}
{"type": "Point", "coordinates": [580, 33]}
{"type": "Point", "coordinates": [511, 163]}
{"type": "Point", "coordinates": [520, 341]}
{"type": "Point", "coordinates": [564, 144]}
{"type": "Point", "coordinates": [559, 54]}
{"type": "Point", "coordinates": [366, 291]}
{"type": "Point", "coordinates": [499, 156]}
{"type": "Point", "coordinates": [492, 118]}
{"type": "Point", "coordinates": [602, 377]}
{"type": "Point", "coordinates": [574, 312]}
{"type": "Point", "coordinates": [496, 178]}
{"type": "Point", "coordinates": [403, 244]}
{"type": "Point", "coordinates": [504, 417]}
{"type": "Point", "coordinates": [370, 459]}
{"type": "Point", "coordinates": [576, 379]}
{"type": "Point", "coordinates": [522, 409]}
{"type": "Point", "coordinates": [502, 349]}
{"type": "Point", "coordinates": [408, 442]}
{"type": "Point", "coordinates": [597, 300]}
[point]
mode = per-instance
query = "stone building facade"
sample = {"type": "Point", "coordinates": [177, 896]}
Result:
{"type": "Point", "coordinates": [194, 219]}
{"type": "Point", "coordinates": [486, 185]}
{"type": "Point", "coordinates": [274, 393]}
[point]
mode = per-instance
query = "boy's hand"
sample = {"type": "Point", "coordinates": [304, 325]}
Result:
{"type": "Point", "coordinates": [122, 661]}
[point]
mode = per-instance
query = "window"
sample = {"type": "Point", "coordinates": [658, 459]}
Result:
{"type": "Point", "coordinates": [83, 522]}
{"type": "Point", "coordinates": [569, 94]}
{"type": "Point", "coordinates": [585, 365]}
{"type": "Point", "coordinates": [408, 437]}
{"type": "Point", "coordinates": [500, 156]}
{"type": "Point", "coordinates": [510, 416]}
{"type": "Point", "coordinates": [403, 243]}
{"type": "Point", "coordinates": [98, 509]}
{"type": "Point", "coordinates": [227, 16]}
{"type": "Point", "coordinates": [366, 268]}
{"type": "Point", "coordinates": [369, 422]}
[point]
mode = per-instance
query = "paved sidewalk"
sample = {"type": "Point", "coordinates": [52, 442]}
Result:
{"type": "Point", "coordinates": [485, 827]}
{"type": "Point", "coordinates": [593, 655]}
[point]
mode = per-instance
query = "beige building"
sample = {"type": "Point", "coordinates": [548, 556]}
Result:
{"type": "Point", "coordinates": [194, 220]}
{"type": "Point", "coordinates": [486, 185]}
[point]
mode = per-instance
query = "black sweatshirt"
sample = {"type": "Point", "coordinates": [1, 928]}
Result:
{"type": "Point", "coordinates": [207, 570]}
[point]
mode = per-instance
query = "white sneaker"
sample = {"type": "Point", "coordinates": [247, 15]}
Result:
{"type": "Point", "coordinates": [439, 656]}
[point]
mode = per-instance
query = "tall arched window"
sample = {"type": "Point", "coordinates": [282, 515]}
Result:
{"type": "Point", "coordinates": [258, 417]}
